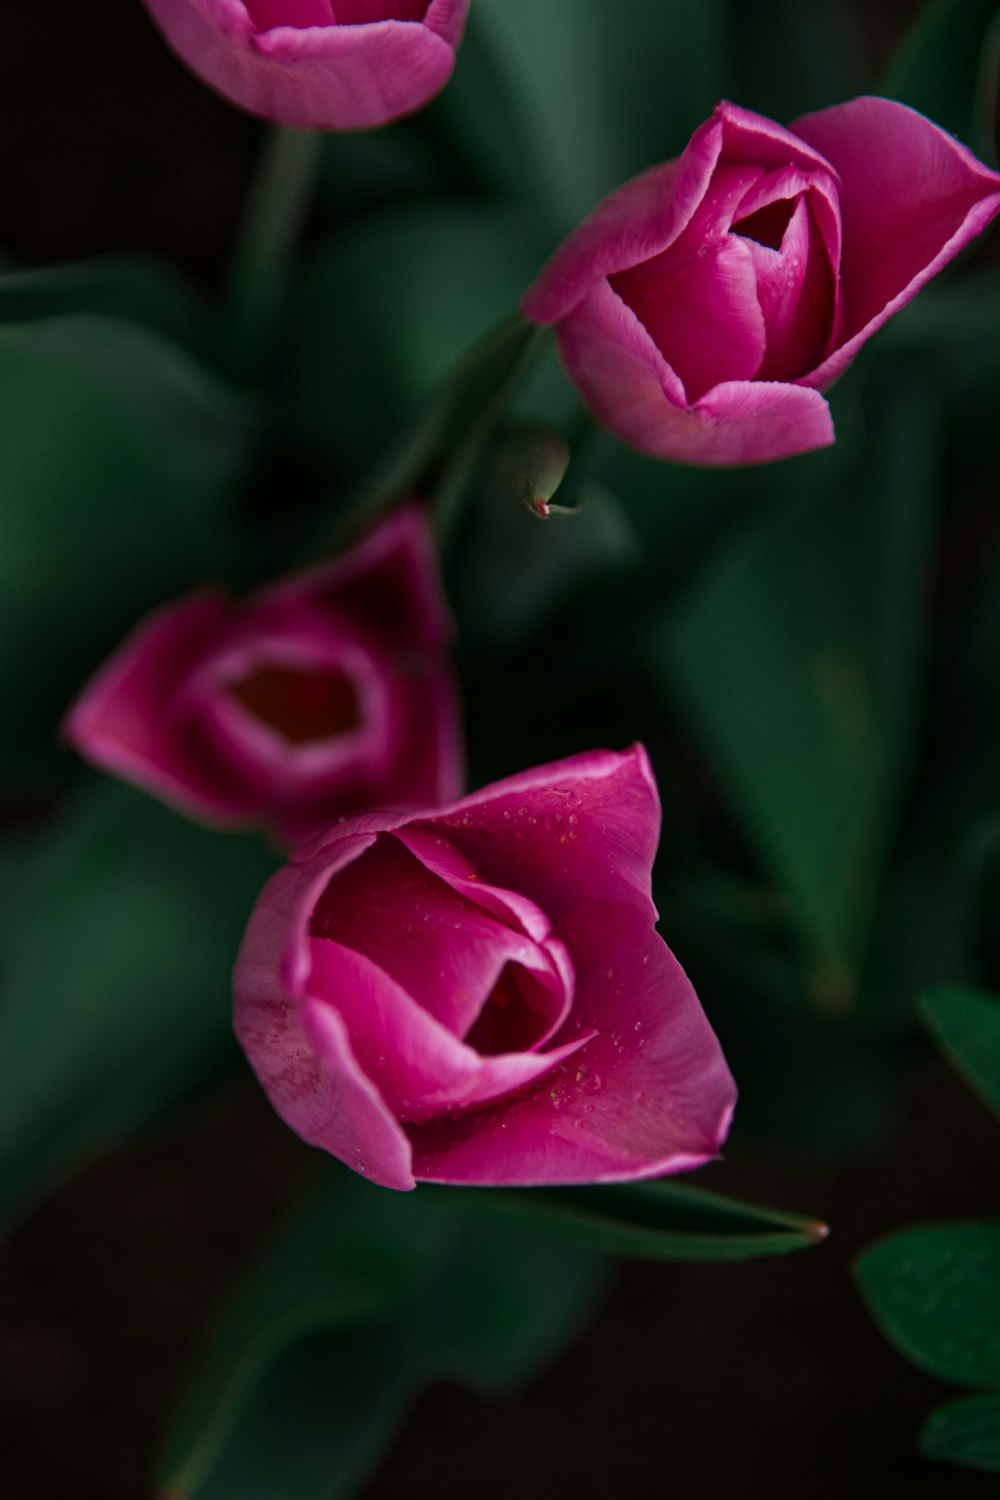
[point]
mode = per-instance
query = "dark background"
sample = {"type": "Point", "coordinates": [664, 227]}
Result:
{"type": "Point", "coordinates": [767, 1378]}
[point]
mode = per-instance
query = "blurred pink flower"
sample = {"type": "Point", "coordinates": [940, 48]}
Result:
{"type": "Point", "coordinates": [320, 695]}
{"type": "Point", "coordinates": [702, 307]}
{"type": "Point", "coordinates": [477, 994]}
{"type": "Point", "coordinates": [328, 64]}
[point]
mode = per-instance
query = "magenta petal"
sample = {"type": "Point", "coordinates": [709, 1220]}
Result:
{"type": "Point", "coordinates": [419, 1066]}
{"type": "Point", "coordinates": [445, 951]}
{"type": "Point", "coordinates": [267, 13]}
{"type": "Point", "coordinates": [755, 422]}
{"type": "Point", "coordinates": [701, 311]}
{"type": "Point", "coordinates": [390, 578]}
{"type": "Point", "coordinates": [576, 830]}
{"type": "Point", "coordinates": [650, 1094]}
{"type": "Point", "coordinates": [912, 196]}
{"type": "Point", "coordinates": [301, 1053]}
{"type": "Point", "coordinates": [124, 720]}
{"type": "Point", "coordinates": [323, 77]}
{"type": "Point", "coordinates": [636, 222]}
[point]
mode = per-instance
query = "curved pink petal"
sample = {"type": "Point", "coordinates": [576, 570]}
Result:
{"type": "Point", "coordinates": [629, 386]}
{"type": "Point", "coordinates": [650, 1094]}
{"type": "Point", "coordinates": [757, 421]}
{"type": "Point", "coordinates": [444, 950]}
{"type": "Point", "coordinates": [580, 829]}
{"type": "Point", "coordinates": [391, 579]}
{"type": "Point", "coordinates": [645, 216]}
{"type": "Point", "coordinates": [301, 1052]}
{"type": "Point", "coordinates": [701, 310]}
{"type": "Point", "coordinates": [796, 291]}
{"type": "Point", "coordinates": [418, 1066]}
{"type": "Point", "coordinates": [125, 719]}
{"type": "Point", "coordinates": [911, 198]}
{"type": "Point", "coordinates": [332, 77]}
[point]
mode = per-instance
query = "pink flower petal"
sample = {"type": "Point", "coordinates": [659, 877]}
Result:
{"type": "Point", "coordinates": [327, 77]}
{"type": "Point", "coordinates": [124, 719]}
{"type": "Point", "coordinates": [576, 830]}
{"type": "Point", "coordinates": [418, 1066]}
{"type": "Point", "coordinates": [911, 198]}
{"type": "Point", "coordinates": [445, 951]}
{"type": "Point", "coordinates": [301, 1053]}
{"type": "Point", "coordinates": [701, 310]}
{"type": "Point", "coordinates": [650, 1094]}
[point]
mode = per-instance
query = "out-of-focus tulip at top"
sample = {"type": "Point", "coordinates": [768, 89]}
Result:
{"type": "Point", "coordinates": [324, 64]}
{"type": "Point", "coordinates": [702, 307]}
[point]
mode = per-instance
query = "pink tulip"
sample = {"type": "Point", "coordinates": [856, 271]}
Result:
{"type": "Point", "coordinates": [328, 64]}
{"type": "Point", "coordinates": [320, 695]}
{"type": "Point", "coordinates": [702, 307]}
{"type": "Point", "coordinates": [477, 993]}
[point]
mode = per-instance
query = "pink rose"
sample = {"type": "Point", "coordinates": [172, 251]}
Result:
{"type": "Point", "coordinates": [477, 994]}
{"type": "Point", "coordinates": [320, 695]}
{"type": "Point", "coordinates": [328, 64]}
{"type": "Point", "coordinates": [702, 307]}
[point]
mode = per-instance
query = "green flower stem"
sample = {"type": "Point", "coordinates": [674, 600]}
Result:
{"type": "Point", "coordinates": [266, 241]}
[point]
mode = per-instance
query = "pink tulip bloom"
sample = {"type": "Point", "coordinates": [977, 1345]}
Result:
{"type": "Point", "coordinates": [325, 64]}
{"type": "Point", "coordinates": [318, 696]}
{"type": "Point", "coordinates": [477, 993]}
{"type": "Point", "coordinates": [702, 307]}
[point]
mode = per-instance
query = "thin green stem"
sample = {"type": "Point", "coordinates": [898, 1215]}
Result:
{"type": "Point", "coordinates": [266, 241]}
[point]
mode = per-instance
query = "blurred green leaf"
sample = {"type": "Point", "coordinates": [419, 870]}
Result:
{"type": "Point", "coordinates": [132, 288]}
{"type": "Point", "coordinates": [118, 461]}
{"type": "Point", "coordinates": [657, 1221]}
{"type": "Point", "coordinates": [937, 67]}
{"type": "Point", "coordinates": [799, 656]}
{"type": "Point", "coordinates": [368, 1297]}
{"type": "Point", "coordinates": [935, 1293]}
{"type": "Point", "coordinates": [966, 1431]}
{"type": "Point", "coordinates": [408, 292]}
{"type": "Point", "coordinates": [599, 95]}
{"type": "Point", "coordinates": [966, 1025]}
{"type": "Point", "coordinates": [124, 929]}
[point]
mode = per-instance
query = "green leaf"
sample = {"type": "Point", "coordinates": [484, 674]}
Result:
{"type": "Point", "coordinates": [966, 1025]}
{"type": "Point", "coordinates": [118, 461]}
{"type": "Point", "coordinates": [367, 1297]}
{"type": "Point", "coordinates": [657, 1221]}
{"type": "Point", "coordinates": [966, 1431]}
{"type": "Point", "coordinates": [935, 1293]}
{"type": "Point", "coordinates": [128, 287]}
{"type": "Point", "coordinates": [799, 658]}
{"type": "Point", "coordinates": [599, 97]}
{"type": "Point", "coordinates": [124, 929]}
{"type": "Point", "coordinates": [937, 67]}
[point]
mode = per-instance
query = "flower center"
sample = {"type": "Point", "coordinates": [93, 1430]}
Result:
{"type": "Point", "coordinates": [509, 1021]}
{"type": "Point", "coordinates": [767, 226]}
{"type": "Point", "coordinates": [301, 706]}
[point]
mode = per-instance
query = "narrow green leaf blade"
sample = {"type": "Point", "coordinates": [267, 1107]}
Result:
{"type": "Point", "coordinates": [935, 1293]}
{"type": "Point", "coordinates": [658, 1221]}
{"type": "Point", "coordinates": [967, 1432]}
{"type": "Point", "coordinates": [966, 1025]}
